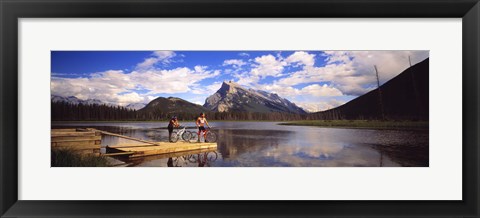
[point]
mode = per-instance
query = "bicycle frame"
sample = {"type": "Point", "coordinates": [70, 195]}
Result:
{"type": "Point", "coordinates": [180, 132]}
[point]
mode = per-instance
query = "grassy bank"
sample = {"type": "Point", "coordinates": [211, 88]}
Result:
{"type": "Point", "coordinates": [62, 157]}
{"type": "Point", "coordinates": [363, 124]}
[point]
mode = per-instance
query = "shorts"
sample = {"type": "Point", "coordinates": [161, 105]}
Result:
{"type": "Point", "coordinates": [202, 128]}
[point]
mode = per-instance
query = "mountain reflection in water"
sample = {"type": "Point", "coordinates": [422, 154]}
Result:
{"type": "Point", "coordinates": [266, 144]}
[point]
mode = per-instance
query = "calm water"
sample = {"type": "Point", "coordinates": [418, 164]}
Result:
{"type": "Point", "coordinates": [266, 144]}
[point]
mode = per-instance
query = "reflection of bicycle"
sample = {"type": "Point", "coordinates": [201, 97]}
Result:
{"type": "Point", "coordinates": [209, 136]}
{"type": "Point", "coordinates": [177, 161]}
{"type": "Point", "coordinates": [207, 156]}
{"type": "Point", "coordinates": [185, 135]}
{"type": "Point", "coordinates": [203, 159]}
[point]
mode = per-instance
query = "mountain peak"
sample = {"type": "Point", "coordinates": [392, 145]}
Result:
{"type": "Point", "coordinates": [233, 97]}
{"type": "Point", "coordinates": [174, 98]}
{"type": "Point", "coordinates": [229, 87]}
{"type": "Point", "coordinates": [230, 83]}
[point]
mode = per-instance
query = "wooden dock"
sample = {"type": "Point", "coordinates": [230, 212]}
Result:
{"type": "Point", "coordinates": [87, 141]}
{"type": "Point", "coordinates": [141, 150]}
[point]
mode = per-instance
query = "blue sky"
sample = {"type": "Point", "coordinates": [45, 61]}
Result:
{"type": "Point", "coordinates": [315, 80]}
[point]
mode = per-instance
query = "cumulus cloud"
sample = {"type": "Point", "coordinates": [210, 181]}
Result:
{"type": "Point", "coordinates": [320, 90]}
{"type": "Point", "coordinates": [339, 73]}
{"type": "Point", "coordinates": [348, 73]}
{"type": "Point", "coordinates": [352, 72]}
{"type": "Point", "coordinates": [319, 105]}
{"type": "Point", "coordinates": [119, 87]}
{"type": "Point", "coordinates": [261, 68]}
{"type": "Point", "coordinates": [301, 57]}
{"type": "Point", "coordinates": [268, 65]}
{"type": "Point", "coordinates": [163, 57]}
{"type": "Point", "coordinates": [310, 90]}
{"type": "Point", "coordinates": [112, 86]}
{"type": "Point", "coordinates": [236, 63]}
{"type": "Point", "coordinates": [177, 80]}
{"type": "Point", "coordinates": [361, 63]}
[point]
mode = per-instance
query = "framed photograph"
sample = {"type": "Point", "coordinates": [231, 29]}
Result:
{"type": "Point", "coordinates": [227, 108]}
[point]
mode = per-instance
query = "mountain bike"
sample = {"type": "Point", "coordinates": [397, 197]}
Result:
{"type": "Point", "coordinates": [185, 135]}
{"type": "Point", "coordinates": [209, 136]}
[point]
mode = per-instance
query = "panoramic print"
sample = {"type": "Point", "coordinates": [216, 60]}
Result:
{"type": "Point", "coordinates": [240, 108]}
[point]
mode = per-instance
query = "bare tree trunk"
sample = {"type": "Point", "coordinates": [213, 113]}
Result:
{"type": "Point", "coordinates": [380, 100]}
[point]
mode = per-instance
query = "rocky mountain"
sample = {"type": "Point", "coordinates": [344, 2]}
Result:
{"type": "Point", "coordinates": [136, 106]}
{"type": "Point", "coordinates": [75, 100]}
{"type": "Point", "coordinates": [232, 97]}
{"type": "Point", "coordinates": [166, 107]}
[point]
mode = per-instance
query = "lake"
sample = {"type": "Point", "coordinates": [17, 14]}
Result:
{"type": "Point", "coordinates": [267, 144]}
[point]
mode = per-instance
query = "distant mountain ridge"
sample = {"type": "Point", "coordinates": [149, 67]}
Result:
{"type": "Point", "coordinates": [136, 106]}
{"type": "Point", "coordinates": [75, 100]}
{"type": "Point", "coordinates": [164, 107]}
{"type": "Point", "coordinates": [232, 97]}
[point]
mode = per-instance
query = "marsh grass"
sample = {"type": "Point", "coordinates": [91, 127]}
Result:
{"type": "Point", "coordinates": [63, 157]}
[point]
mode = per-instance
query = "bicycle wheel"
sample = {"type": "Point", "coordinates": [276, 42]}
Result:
{"type": "Point", "coordinates": [186, 136]}
{"type": "Point", "coordinates": [191, 158]}
{"type": "Point", "coordinates": [194, 137]}
{"type": "Point", "coordinates": [212, 156]}
{"type": "Point", "coordinates": [174, 136]}
{"type": "Point", "coordinates": [211, 137]}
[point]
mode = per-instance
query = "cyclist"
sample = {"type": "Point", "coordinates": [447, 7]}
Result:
{"type": "Point", "coordinates": [173, 123]}
{"type": "Point", "coordinates": [201, 122]}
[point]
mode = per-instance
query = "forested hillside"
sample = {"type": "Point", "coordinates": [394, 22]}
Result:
{"type": "Point", "coordinates": [405, 97]}
{"type": "Point", "coordinates": [62, 111]}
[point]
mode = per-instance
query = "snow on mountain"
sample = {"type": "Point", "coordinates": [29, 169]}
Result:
{"type": "Point", "coordinates": [136, 106]}
{"type": "Point", "coordinates": [75, 100]}
{"type": "Point", "coordinates": [233, 97]}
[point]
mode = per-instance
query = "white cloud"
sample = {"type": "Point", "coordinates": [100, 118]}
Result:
{"type": "Point", "coordinates": [268, 65]}
{"type": "Point", "coordinates": [243, 54]}
{"type": "Point", "coordinates": [117, 87]}
{"type": "Point", "coordinates": [352, 72]}
{"type": "Point", "coordinates": [319, 106]}
{"type": "Point", "coordinates": [214, 87]}
{"type": "Point", "coordinates": [319, 90]}
{"type": "Point", "coordinates": [110, 87]}
{"type": "Point", "coordinates": [178, 80]}
{"type": "Point", "coordinates": [301, 57]}
{"type": "Point", "coordinates": [163, 57]}
{"type": "Point", "coordinates": [314, 90]}
{"type": "Point", "coordinates": [349, 73]}
{"type": "Point", "coordinates": [262, 67]}
{"type": "Point", "coordinates": [236, 63]}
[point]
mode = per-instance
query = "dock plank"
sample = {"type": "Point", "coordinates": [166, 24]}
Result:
{"type": "Point", "coordinates": [163, 148]}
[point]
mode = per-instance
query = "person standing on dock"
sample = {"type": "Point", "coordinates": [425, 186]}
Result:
{"type": "Point", "coordinates": [173, 123]}
{"type": "Point", "coordinates": [201, 122]}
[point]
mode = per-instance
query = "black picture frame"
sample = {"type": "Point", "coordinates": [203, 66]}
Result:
{"type": "Point", "coordinates": [12, 10]}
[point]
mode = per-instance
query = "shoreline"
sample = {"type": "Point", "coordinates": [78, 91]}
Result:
{"type": "Point", "coordinates": [362, 124]}
{"type": "Point", "coordinates": [350, 124]}
{"type": "Point", "coordinates": [160, 121]}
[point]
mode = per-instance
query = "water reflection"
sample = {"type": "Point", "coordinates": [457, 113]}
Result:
{"type": "Point", "coordinates": [199, 158]}
{"type": "Point", "coordinates": [265, 144]}
{"type": "Point", "coordinates": [234, 142]}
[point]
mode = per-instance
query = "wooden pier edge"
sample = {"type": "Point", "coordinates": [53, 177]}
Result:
{"type": "Point", "coordinates": [133, 150]}
{"type": "Point", "coordinates": [88, 140]}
